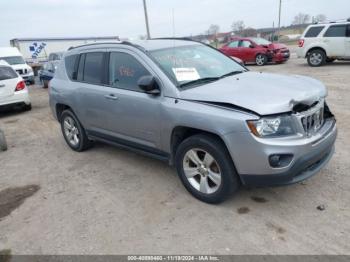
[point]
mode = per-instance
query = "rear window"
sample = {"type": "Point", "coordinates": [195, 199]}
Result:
{"type": "Point", "coordinates": [314, 31]}
{"type": "Point", "coordinates": [93, 69]}
{"type": "Point", "coordinates": [336, 31]}
{"type": "Point", "coordinates": [7, 73]}
{"type": "Point", "coordinates": [70, 66]}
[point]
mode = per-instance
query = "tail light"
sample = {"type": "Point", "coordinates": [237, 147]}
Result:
{"type": "Point", "coordinates": [20, 86]}
{"type": "Point", "coordinates": [301, 42]}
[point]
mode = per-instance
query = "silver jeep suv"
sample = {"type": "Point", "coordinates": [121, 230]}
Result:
{"type": "Point", "coordinates": [220, 125]}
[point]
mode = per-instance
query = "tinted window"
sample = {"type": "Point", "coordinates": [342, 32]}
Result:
{"type": "Point", "coordinates": [233, 44]}
{"type": "Point", "coordinates": [336, 31]}
{"type": "Point", "coordinates": [348, 34]}
{"type": "Point", "coordinates": [245, 43]}
{"type": "Point", "coordinates": [314, 31]}
{"type": "Point", "coordinates": [125, 71]}
{"type": "Point", "coordinates": [70, 65]}
{"type": "Point", "coordinates": [7, 73]}
{"type": "Point", "coordinates": [81, 68]}
{"type": "Point", "coordinates": [93, 68]}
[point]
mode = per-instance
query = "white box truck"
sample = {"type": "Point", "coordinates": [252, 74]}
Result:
{"type": "Point", "coordinates": [37, 50]}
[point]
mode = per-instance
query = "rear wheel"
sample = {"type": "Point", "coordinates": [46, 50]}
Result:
{"type": "Point", "coordinates": [73, 132]}
{"type": "Point", "coordinates": [27, 107]}
{"type": "Point", "coordinates": [316, 58]}
{"type": "Point", "coordinates": [45, 83]}
{"type": "Point", "coordinates": [206, 168]}
{"type": "Point", "coordinates": [3, 144]}
{"type": "Point", "coordinates": [261, 59]}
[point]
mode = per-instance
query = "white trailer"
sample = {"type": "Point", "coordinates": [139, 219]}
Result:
{"type": "Point", "coordinates": [36, 50]}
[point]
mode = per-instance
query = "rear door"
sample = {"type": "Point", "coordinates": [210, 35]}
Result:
{"type": "Point", "coordinates": [334, 39]}
{"type": "Point", "coordinates": [91, 93]}
{"type": "Point", "coordinates": [8, 82]}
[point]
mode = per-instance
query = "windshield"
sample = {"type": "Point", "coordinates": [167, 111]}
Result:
{"type": "Point", "coordinates": [261, 41]}
{"type": "Point", "coordinates": [13, 60]}
{"type": "Point", "coordinates": [185, 64]}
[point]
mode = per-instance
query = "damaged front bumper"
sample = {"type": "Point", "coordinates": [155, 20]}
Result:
{"type": "Point", "coordinates": [308, 156]}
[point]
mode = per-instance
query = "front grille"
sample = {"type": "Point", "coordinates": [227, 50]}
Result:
{"type": "Point", "coordinates": [314, 121]}
{"type": "Point", "coordinates": [20, 71]}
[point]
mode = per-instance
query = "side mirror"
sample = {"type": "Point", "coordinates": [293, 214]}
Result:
{"type": "Point", "coordinates": [252, 46]}
{"type": "Point", "coordinates": [149, 85]}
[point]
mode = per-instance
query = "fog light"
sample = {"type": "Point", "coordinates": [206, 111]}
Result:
{"type": "Point", "coordinates": [280, 160]}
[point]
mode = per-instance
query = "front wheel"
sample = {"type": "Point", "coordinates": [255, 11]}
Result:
{"type": "Point", "coordinates": [206, 168]}
{"type": "Point", "coordinates": [261, 59]}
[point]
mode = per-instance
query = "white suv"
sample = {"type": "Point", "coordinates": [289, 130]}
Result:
{"type": "Point", "coordinates": [323, 43]}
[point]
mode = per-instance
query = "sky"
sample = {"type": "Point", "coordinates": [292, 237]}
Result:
{"type": "Point", "coordinates": [125, 18]}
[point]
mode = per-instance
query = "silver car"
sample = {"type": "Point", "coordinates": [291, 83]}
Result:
{"type": "Point", "coordinates": [220, 125]}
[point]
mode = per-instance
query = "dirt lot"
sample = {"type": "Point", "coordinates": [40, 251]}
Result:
{"type": "Point", "coordinates": [111, 201]}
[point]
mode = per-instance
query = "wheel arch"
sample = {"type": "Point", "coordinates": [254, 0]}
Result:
{"type": "Point", "coordinates": [60, 108]}
{"type": "Point", "coordinates": [180, 133]}
{"type": "Point", "coordinates": [315, 48]}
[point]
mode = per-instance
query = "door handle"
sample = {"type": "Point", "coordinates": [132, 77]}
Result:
{"type": "Point", "coordinates": [2, 85]}
{"type": "Point", "coordinates": [111, 97]}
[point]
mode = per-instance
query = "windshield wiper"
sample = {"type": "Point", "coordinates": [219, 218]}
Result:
{"type": "Point", "coordinates": [200, 81]}
{"type": "Point", "coordinates": [231, 73]}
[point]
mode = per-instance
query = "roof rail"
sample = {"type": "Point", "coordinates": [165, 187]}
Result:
{"type": "Point", "coordinates": [334, 21]}
{"type": "Point", "coordinates": [101, 43]}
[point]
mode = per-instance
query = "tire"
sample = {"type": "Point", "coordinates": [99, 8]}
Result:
{"type": "Point", "coordinates": [261, 59]}
{"type": "Point", "coordinates": [219, 180]}
{"type": "Point", "coordinates": [73, 132]}
{"type": "Point", "coordinates": [27, 107]}
{"type": "Point", "coordinates": [45, 84]}
{"type": "Point", "coordinates": [316, 58]}
{"type": "Point", "coordinates": [3, 144]}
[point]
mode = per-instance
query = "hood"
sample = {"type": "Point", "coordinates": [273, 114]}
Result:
{"type": "Point", "coordinates": [20, 66]}
{"type": "Point", "coordinates": [262, 93]}
{"type": "Point", "coordinates": [277, 46]}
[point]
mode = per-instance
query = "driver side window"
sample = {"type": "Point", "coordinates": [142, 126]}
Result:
{"type": "Point", "coordinates": [245, 43]}
{"type": "Point", "coordinates": [125, 71]}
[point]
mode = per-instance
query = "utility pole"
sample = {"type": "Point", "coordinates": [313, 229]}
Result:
{"type": "Point", "coordinates": [279, 21]}
{"type": "Point", "coordinates": [146, 18]}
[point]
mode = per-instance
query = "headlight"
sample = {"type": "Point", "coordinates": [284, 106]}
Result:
{"type": "Point", "coordinates": [30, 70]}
{"type": "Point", "coordinates": [272, 126]}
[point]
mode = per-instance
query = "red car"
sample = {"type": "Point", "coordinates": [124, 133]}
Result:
{"type": "Point", "coordinates": [256, 50]}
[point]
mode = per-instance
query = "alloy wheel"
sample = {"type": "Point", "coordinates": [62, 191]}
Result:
{"type": "Point", "coordinates": [260, 60]}
{"type": "Point", "coordinates": [202, 171]}
{"type": "Point", "coordinates": [71, 131]}
{"type": "Point", "coordinates": [316, 59]}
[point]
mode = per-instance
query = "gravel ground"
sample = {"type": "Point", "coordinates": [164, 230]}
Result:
{"type": "Point", "coordinates": [111, 201]}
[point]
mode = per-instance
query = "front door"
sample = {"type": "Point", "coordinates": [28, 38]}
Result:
{"type": "Point", "coordinates": [134, 115]}
{"type": "Point", "coordinates": [334, 40]}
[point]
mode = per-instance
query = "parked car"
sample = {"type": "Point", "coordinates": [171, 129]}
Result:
{"type": "Point", "coordinates": [256, 50]}
{"type": "Point", "coordinates": [13, 57]}
{"type": "Point", "coordinates": [13, 90]}
{"type": "Point", "coordinates": [184, 102]}
{"type": "Point", "coordinates": [47, 72]}
{"type": "Point", "coordinates": [324, 43]}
